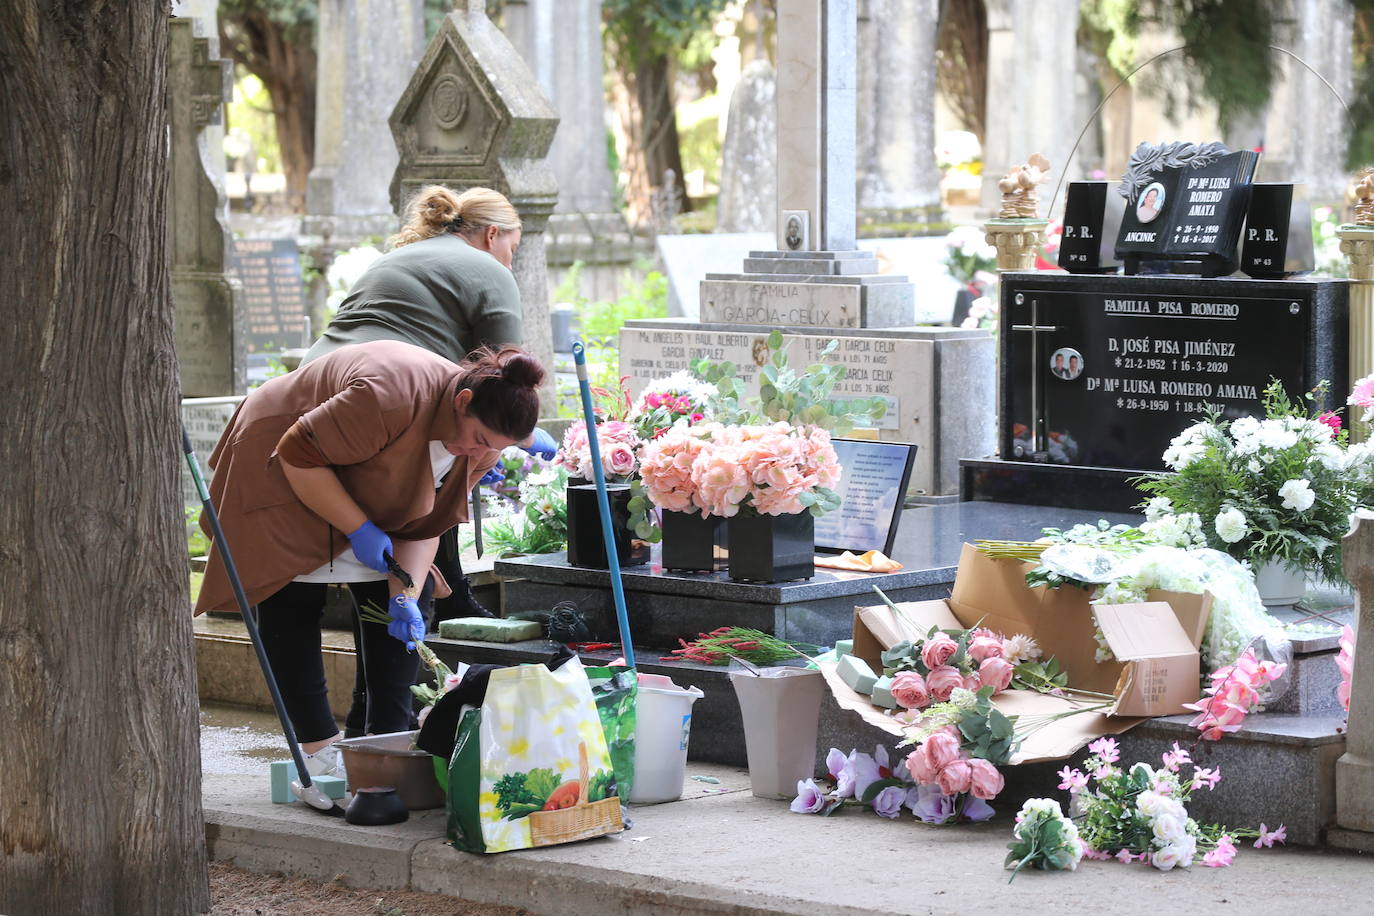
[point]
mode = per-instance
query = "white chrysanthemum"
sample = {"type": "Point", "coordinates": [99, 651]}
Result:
{"type": "Point", "coordinates": [1296, 494]}
{"type": "Point", "coordinates": [1244, 427]}
{"type": "Point", "coordinates": [1230, 525]}
{"type": "Point", "coordinates": [1330, 456]}
{"type": "Point", "coordinates": [1021, 648]}
{"type": "Point", "coordinates": [1159, 506]}
{"type": "Point", "coordinates": [1273, 434]}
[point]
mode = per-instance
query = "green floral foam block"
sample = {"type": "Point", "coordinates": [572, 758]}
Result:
{"type": "Point", "coordinates": [490, 629]}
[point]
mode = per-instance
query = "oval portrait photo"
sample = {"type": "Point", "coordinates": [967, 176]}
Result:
{"type": "Point", "coordinates": [1151, 202]}
{"type": "Point", "coordinates": [1066, 363]}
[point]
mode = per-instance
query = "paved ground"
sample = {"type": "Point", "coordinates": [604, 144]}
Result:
{"type": "Point", "coordinates": [720, 850]}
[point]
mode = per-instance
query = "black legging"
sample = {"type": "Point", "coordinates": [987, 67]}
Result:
{"type": "Point", "coordinates": [290, 624]}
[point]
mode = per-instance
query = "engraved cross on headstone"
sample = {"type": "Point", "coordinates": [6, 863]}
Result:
{"type": "Point", "coordinates": [816, 98]}
{"type": "Point", "coordinates": [1039, 439]}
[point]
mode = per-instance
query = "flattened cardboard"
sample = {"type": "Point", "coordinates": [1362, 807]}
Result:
{"type": "Point", "coordinates": [877, 628]}
{"type": "Point", "coordinates": [1159, 661]}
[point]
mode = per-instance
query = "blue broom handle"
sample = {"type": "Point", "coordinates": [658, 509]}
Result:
{"type": "Point", "coordinates": [603, 503]}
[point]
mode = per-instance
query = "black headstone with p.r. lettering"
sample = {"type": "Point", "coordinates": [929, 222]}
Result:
{"type": "Point", "coordinates": [1092, 216]}
{"type": "Point", "coordinates": [1278, 232]}
{"type": "Point", "coordinates": [1100, 372]}
{"type": "Point", "coordinates": [1185, 204]}
{"type": "Point", "coordinates": [273, 297]}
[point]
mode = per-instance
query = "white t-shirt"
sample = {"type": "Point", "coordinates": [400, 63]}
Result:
{"type": "Point", "coordinates": [346, 567]}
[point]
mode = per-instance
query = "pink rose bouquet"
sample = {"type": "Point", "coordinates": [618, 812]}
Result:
{"type": "Point", "coordinates": [960, 746]}
{"type": "Point", "coordinates": [679, 400]}
{"type": "Point", "coordinates": [619, 446]}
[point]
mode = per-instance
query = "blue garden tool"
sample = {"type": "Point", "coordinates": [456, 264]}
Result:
{"type": "Point", "coordinates": [303, 787]}
{"type": "Point", "coordinates": [603, 503]}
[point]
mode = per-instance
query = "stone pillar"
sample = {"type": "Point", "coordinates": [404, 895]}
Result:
{"type": "Point", "coordinates": [206, 16]}
{"type": "Point", "coordinates": [1355, 769]}
{"type": "Point", "coordinates": [898, 179]}
{"type": "Point", "coordinates": [1357, 244]}
{"type": "Point", "coordinates": [473, 115]}
{"type": "Point", "coordinates": [749, 158]}
{"type": "Point", "coordinates": [209, 331]}
{"type": "Point", "coordinates": [560, 41]}
{"type": "Point", "coordinates": [1304, 128]}
{"type": "Point", "coordinates": [1032, 56]}
{"type": "Point", "coordinates": [367, 50]}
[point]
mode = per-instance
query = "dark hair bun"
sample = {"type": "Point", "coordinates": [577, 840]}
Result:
{"type": "Point", "coordinates": [521, 369]}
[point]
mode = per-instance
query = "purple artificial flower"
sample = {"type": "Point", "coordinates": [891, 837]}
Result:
{"type": "Point", "coordinates": [865, 770]}
{"type": "Point", "coordinates": [930, 805]}
{"type": "Point", "coordinates": [888, 802]}
{"type": "Point", "coordinates": [842, 771]}
{"type": "Point", "coordinates": [810, 799]}
{"type": "Point", "coordinates": [975, 809]}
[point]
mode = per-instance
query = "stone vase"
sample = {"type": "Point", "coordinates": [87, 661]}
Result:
{"type": "Point", "coordinates": [586, 545]}
{"type": "Point", "coordinates": [772, 548]}
{"type": "Point", "coordinates": [1017, 241]}
{"type": "Point", "coordinates": [1279, 584]}
{"type": "Point", "coordinates": [690, 542]}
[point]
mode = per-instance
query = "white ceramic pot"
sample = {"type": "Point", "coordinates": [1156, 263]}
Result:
{"type": "Point", "coordinates": [1280, 584]}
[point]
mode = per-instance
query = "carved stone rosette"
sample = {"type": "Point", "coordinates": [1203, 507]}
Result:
{"type": "Point", "coordinates": [1017, 241]}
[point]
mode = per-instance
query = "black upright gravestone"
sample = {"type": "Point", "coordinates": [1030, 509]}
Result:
{"type": "Point", "coordinates": [1098, 373]}
{"type": "Point", "coordinates": [273, 293]}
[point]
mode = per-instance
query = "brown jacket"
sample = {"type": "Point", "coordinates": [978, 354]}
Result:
{"type": "Point", "coordinates": [372, 410]}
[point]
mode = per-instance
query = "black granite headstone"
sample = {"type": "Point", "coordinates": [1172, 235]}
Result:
{"type": "Point", "coordinates": [1278, 232]}
{"type": "Point", "coordinates": [1092, 216]}
{"type": "Point", "coordinates": [1104, 371]}
{"type": "Point", "coordinates": [1185, 205]}
{"type": "Point", "coordinates": [273, 293]}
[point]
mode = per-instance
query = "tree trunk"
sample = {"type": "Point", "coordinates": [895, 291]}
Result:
{"type": "Point", "coordinates": [961, 63]}
{"type": "Point", "coordinates": [649, 119]}
{"type": "Point", "coordinates": [100, 807]}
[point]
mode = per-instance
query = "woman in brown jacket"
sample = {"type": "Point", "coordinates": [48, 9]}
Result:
{"type": "Point", "coordinates": [365, 453]}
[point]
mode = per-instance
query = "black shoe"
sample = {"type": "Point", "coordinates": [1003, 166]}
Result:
{"type": "Point", "coordinates": [464, 600]}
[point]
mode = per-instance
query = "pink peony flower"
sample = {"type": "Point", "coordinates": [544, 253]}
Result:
{"type": "Point", "coordinates": [941, 749]}
{"type": "Point", "coordinates": [909, 689]}
{"type": "Point", "coordinates": [996, 672]}
{"type": "Point", "coordinates": [941, 682]}
{"type": "Point", "coordinates": [985, 780]}
{"type": "Point", "coordinates": [918, 765]}
{"type": "Point", "coordinates": [938, 650]}
{"type": "Point", "coordinates": [985, 647]}
{"type": "Point", "coordinates": [955, 777]}
{"type": "Point", "coordinates": [971, 682]}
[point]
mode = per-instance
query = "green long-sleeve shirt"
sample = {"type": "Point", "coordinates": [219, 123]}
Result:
{"type": "Point", "coordinates": [441, 294]}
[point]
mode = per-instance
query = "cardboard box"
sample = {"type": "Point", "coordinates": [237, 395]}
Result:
{"type": "Point", "coordinates": [1156, 668]}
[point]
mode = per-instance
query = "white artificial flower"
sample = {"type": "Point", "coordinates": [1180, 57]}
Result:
{"type": "Point", "coordinates": [1244, 427]}
{"type": "Point", "coordinates": [1296, 494]}
{"type": "Point", "coordinates": [1166, 858]}
{"type": "Point", "coordinates": [1150, 803]}
{"type": "Point", "coordinates": [1157, 507]}
{"type": "Point", "coordinates": [1021, 648]}
{"type": "Point", "coordinates": [1187, 849]}
{"type": "Point", "coordinates": [1230, 525]}
{"type": "Point", "coordinates": [1169, 828]}
{"type": "Point", "coordinates": [1254, 467]}
{"type": "Point", "coordinates": [1274, 434]}
{"type": "Point", "coordinates": [1331, 456]}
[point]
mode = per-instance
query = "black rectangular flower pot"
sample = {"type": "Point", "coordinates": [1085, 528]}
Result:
{"type": "Point", "coordinates": [586, 546]}
{"type": "Point", "coordinates": [773, 548]}
{"type": "Point", "coordinates": [690, 542]}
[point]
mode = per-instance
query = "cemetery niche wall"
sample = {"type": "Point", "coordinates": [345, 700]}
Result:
{"type": "Point", "coordinates": [1099, 371]}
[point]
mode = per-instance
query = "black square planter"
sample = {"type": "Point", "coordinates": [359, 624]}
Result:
{"type": "Point", "coordinates": [586, 546]}
{"type": "Point", "coordinates": [690, 542]}
{"type": "Point", "coordinates": [773, 548]}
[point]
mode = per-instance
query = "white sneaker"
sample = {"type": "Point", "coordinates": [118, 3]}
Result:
{"type": "Point", "coordinates": [327, 761]}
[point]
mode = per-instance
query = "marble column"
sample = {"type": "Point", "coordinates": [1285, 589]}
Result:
{"type": "Point", "coordinates": [898, 178]}
{"type": "Point", "coordinates": [1032, 57]}
{"type": "Point", "coordinates": [1304, 128]}
{"type": "Point", "coordinates": [367, 50]}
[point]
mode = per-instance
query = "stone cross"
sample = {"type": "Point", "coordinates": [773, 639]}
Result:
{"type": "Point", "coordinates": [473, 115]}
{"type": "Point", "coordinates": [817, 93]}
{"type": "Point", "coordinates": [1355, 769]}
{"type": "Point", "coordinates": [209, 333]}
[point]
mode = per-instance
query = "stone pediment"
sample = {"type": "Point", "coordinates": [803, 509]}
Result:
{"type": "Point", "coordinates": [471, 103]}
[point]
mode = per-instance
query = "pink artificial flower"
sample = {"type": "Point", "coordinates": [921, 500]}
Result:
{"type": "Point", "coordinates": [1090, 853]}
{"type": "Point", "coordinates": [1105, 748]}
{"type": "Point", "coordinates": [1173, 759]}
{"type": "Point", "coordinates": [941, 749]}
{"type": "Point", "coordinates": [697, 418]}
{"type": "Point", "coordinates": [971, 682]}
{"type": "Point", "coordinates": [1268, 838]}
{"type": "Point", "coordinates": [955, 777]}
{"type": "Point", "coordinates": [835, 762]}
{"type": "Point", "coordinates": [985, 780]}
{"type": "Point", "coordinates": [1205, 777]}
{"type": "Point", "coordinates": [1223, 855]}
{"type": "Point", "coordinates": [1345, 661]}
{"type": "Point", "coordinates": [996, 672]}
{"type": "Point", "coordinates": [909, 689]}
{"type": "Point", "coordinates": [618, 460]}
{"type": "Point", "coordinates": [810, 799]}
{"type": "Point", "coordinates": [985, 647]}
{"type": "Point", "coordinates": [942, 681]}
{"type": "Point", "coordinates": [1074, 780]}
{"type": "Point", "coordinates": [918, 765]}
{"type": "Point", "coordinates": [1363, 393]}
{"type": "Point", "coordinates": [1125, 856]}
{"type": "Point", "coordinates": [938, 650]}
{"type": "Point", "coordinates": [1331, 419]}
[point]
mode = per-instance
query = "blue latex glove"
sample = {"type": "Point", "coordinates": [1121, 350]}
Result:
{"type": "Point", "coordinates": [370, 546]}
{"type": "Point", "coordinates": [406, 623]}
{"type": "Point", "coordinates": [542, 445]}
{"type": "Point", "coordinates": [494, 476]}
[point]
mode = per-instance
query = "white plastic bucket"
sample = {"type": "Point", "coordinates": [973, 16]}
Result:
{"type": "Point", "coordinates": [663, 721]}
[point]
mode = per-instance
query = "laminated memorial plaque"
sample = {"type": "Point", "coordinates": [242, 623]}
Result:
{"type": "Point", "coordinates": [1092, 217]}
{"type": "Point", "coordinates": [1185, 204]}
{"type": "Point", "coordinates": [1278, 232]}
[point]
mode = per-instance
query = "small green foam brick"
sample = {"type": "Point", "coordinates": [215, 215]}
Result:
{"type": "Point", "coordinates": [855, 672]}
{"type": "Point", "coordinates": [490, 629]}
{"type": "Point", "coordinates": [882, 693]}
{"type": "Point", "coordinates": [284, 771]}
{"type": "Point", "coordinates": [844, 647]}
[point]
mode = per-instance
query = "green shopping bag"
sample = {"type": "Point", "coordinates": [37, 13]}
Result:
{"type": "Point", "coordinates": [531, 766]}
{"type": "Point", "coordinates": [616, 690]}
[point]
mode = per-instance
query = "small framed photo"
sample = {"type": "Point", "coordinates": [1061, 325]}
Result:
{"type": "Point", "coordinates": [1066, 363]}
{"type": "Point", "coordinates": [1151, 203]}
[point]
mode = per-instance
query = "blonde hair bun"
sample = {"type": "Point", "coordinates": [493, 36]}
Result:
{"type": "Point", "coordinates": [436, 209]}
